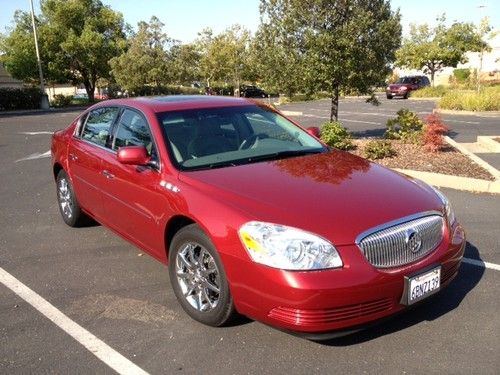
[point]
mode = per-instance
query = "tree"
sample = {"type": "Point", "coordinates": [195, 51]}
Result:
{"type": "Point", "coordinates": [225, 56]}
{"type": "Point", "coordinates": [329, 45]}
{"type": "Point", "coordinates": [146, 61]}
{"type": "Point", "coordinates": [185, 63]}
{"type": "Point", "coordinates": [431, 49]}
{"type": "Point", "coordinates": [77, 39]}
{"type": "Point", "coordinates": [19, 57]}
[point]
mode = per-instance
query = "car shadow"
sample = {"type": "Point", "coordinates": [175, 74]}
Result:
{"type": "Point", "coordinates": [447, 300]}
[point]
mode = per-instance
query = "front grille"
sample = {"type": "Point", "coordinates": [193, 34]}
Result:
{"type": "Point", "coordinates": [324, 316]}
{"type": "Point", "coordinates": [403, 243]}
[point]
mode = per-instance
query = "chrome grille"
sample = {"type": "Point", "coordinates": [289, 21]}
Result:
{"type": "Point", "coordinates": [397, 244]}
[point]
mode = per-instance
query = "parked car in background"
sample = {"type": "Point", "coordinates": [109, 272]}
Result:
{"type": "Point", "coordinates": [405, 85]}
{"type": "Point", "coordinates": [255, 215]}
{"type": "Point", "coordinates": [252, 92]}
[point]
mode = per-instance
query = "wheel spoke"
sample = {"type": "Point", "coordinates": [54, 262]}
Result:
{"type": "Point", "coordinates": [198, 276]}
{"type": "Point", "coordinates": [211, 286]}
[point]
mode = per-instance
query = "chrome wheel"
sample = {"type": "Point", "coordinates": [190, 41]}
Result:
{"type": "Point", "coordinates": [198, 276]}
{"type": "Point", "coordinates": [65, 199]}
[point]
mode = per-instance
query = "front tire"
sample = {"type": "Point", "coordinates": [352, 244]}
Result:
{"type": "Point", "coordinates": [69, 207]}
{"type": "Point", "coordinates": [198, 278]}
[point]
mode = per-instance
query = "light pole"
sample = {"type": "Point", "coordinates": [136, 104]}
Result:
{"type": "Point", "coordinates": [44, 102]}
{"type": "Point", "coordinates": [481, 7]}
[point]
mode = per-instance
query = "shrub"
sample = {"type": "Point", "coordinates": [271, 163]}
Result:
{"type": "Point", "coordinates": [60, 100]}
{"type": "Point", "coordinates": [406, 126]}
{"type": "Point", "coordinates": [379, 149]}
{"type": "Point", "coordinates": [19, 98]}
{"type": "Point", "coordinates": [486, 100]}
{"type": "Point", "coordinates": [434, 130]}
{"type": "Point", "coordinates": [461, 75]}
{"type": "Point", "coordinates": [335, 135]}
{"type": "Point", "coordinates": [430, 92]}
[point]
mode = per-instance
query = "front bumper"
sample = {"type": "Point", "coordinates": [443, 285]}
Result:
{"type": "Point", "coordinates": [395, 93]}
{"type": "Point", "coordinates": [321, 302]}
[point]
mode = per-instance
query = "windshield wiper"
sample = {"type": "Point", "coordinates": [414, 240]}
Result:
{"type": "Point", "coordinates": [284, 154]}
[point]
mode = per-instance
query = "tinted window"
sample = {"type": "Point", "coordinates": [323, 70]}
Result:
{"type": "Point", "coordinates": [132, 130]}
{"type": "Point", "coordinates": [98, 126]}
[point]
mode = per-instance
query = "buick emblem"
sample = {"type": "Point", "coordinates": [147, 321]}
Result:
{"type": "Point", "coordinates": [413, 241]}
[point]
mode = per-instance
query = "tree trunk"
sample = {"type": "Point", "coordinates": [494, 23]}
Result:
{"type": "Point", "coordinates": [334, 109]}
{"type": "Point", "coordinates": [433, 71]}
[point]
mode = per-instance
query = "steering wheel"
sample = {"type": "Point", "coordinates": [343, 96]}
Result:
{"type": "Point", "coordinates": [251, 141]}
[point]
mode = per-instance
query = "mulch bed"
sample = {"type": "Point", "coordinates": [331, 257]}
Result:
{"type": "Point", "coordinates": [497, 139]}
{"type": "Point", "coordinates": [409, 156]}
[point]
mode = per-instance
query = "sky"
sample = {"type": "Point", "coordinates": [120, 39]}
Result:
{"type": "Point", "coordinates": [183, 19]}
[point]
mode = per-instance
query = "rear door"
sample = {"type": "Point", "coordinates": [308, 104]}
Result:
{"type": "Point", "coordinates": [86, 151]}
{"type": "Point", "coordinates": [133, 197]}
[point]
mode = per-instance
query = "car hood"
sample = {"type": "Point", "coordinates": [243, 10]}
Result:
{"type": "Point", "coordinates": [335, 194]}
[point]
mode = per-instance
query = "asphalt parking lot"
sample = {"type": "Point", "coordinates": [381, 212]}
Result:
{"type": "Point", "coordinates": [112, 291]}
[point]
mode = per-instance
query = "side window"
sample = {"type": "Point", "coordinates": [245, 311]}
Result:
{"type": "Point", "coordinates": [132, 130]}
{"type": "Point", "coordinates": [98, 126]}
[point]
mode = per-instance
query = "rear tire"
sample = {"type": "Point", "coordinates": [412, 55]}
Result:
{"type": "Point", "coordinates": [198, 279]}
{"type": "Point", "coordinates": [389, 96]}
{"type": "Point", "coordinates": [69, 207]}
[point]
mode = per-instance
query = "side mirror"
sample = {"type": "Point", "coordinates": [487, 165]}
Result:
{"type": "Point", "coordinates": [314, 131]}
{"type": "Point", "coordinates": [133, 155]}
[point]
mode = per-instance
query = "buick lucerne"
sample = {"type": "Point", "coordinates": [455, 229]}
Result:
{"type": "Point", "coordinates": [255, 215]}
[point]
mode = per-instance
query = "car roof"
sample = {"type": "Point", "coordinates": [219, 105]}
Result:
{"type": "Point", "coordinates": [180, 102]}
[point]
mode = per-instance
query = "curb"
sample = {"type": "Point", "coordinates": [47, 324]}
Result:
{"type": "Point", "coordinates": [454, 182]}
{"type": "Point", "coordinates": [32, 112]}
{"type": "Point", "coordinates": [430, 98]}
{"type": "Point", "coordinates": [488, 142]}
{"type": "Point", "coordinates": [468, 113]}
{"type": "Point", "coordinates": [492, 170]}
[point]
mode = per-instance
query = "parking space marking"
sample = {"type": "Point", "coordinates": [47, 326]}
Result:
{"type": "Point", "coordinates": [480, 263]}
{"type": "Point", "coordinates": [346, 120]}
{"type": "Point", "coordinates": [36, 133]}
{"type": "Point", "coordinates": [462, 122]}
{"type": "Point", "coordinates": [99, 348]}
{"type": "Point", "coordinates": [36, 155]}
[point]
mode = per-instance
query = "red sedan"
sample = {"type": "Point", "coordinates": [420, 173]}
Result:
{"type": "Point", "coordinates": [254, 215]}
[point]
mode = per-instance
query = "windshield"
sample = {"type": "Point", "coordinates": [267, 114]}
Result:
{"type": "Point", "coordinates": [219, 137]}
{"type": "Point", "coordinates": [407, 80]}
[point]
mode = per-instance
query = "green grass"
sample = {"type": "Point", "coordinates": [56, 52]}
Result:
{"type": "Point", "coordinates": [430, 92]}
{"type": "Point", "coordinates": [486, 100]}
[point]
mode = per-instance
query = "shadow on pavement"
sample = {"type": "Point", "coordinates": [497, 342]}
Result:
{"type": "Point", "coordinates": [378, 133]}
{"type": "Point", "coordinates": [435, 307]}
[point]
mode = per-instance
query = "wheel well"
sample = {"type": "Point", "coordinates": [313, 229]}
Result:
{"type": "Point", "coordinates": [57, 168]}
{"type": "Point", "coordinates": [175, 224]}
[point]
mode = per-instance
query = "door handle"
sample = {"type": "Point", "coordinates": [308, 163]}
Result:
{"type": "Point", "coordinates": [72, 157]}
{"type": "Point", "coordinates": [107, 174]}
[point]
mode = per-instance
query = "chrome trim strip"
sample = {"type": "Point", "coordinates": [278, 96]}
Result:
{"type": "Point", "coordinates": [402, 220]}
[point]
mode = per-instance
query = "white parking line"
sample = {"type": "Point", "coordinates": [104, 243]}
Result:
{"type": "Point", "coordinates": [36, 155]}
{"type": "Point", "coordinates": [480, 263]}
{"type": "Point", "coordinates": [36, 133]}
{"type": "Point", "coordinates": [462, 122]}
{"type": "Point", "coordinates": [97, 347]}
{"type": "Point", "coordinates": [341, 120]}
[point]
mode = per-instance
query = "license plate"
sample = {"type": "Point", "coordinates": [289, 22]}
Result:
{"type": "Point", "coordinates": [423, 285]}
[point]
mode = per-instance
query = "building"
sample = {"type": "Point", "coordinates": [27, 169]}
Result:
{"type": "Point", "coordinates": [6, 80]}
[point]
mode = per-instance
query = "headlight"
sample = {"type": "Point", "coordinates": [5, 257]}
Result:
{"type": "Point", "coordinates": [287, 248]}
{"type": "Point", "coordinates": [450, 214]}
{"type": "Point", "coordinates": [403, 88]}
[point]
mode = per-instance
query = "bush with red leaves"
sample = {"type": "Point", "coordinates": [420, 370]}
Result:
{"type": "Point", "coordinates": [434, 130]}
